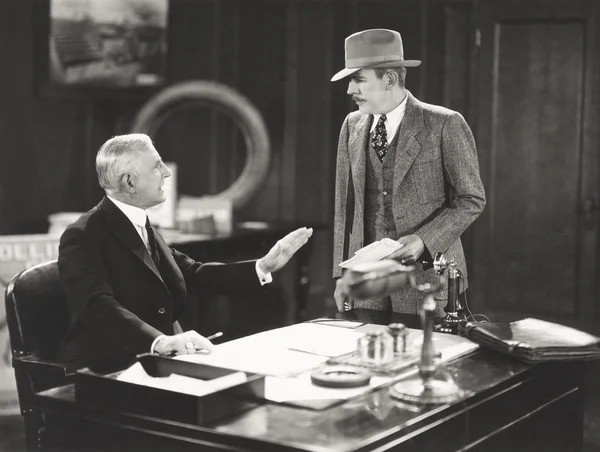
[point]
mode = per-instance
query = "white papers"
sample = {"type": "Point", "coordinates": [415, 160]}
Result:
{"type": "Point", "coordinates": [322, 339]}
{"type": "Point", "coordinates": [300, 388]}
{"type": "Point", "coordinates": [276, 354]}
{"type": "Point", "coordinates": [339, 323]}
{"type": "Point", "coordinates": [258, 360]}
{"type": "Point", "coordinates": [265, 353]}
{"type": "Point", "coordinates": [281, 352]}
{"type": "Point", "coordinates": [373, 252]}
{"type": "Point", "coordinates": [181, 383]}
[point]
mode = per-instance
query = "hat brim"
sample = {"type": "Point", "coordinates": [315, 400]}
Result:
{"type": "Point", "coordinates": [348, 71]}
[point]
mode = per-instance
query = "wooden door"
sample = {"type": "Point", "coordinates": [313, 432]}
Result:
{"type": "Point", "coordinates": [536, 95]}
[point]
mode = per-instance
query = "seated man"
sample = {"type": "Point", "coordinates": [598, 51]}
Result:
{"type": "Point", "coordinates": [124, 286]}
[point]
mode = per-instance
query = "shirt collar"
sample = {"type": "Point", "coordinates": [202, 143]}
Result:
{"type": "Point", "coordinates": [136, 215]}
{"type": "Point", "coordinates": [394, 117]}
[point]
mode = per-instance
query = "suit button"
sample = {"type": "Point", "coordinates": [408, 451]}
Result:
{"type": "Point", "coordinates": [161, 311]}
{"type": "Point", "coordinates": [385, 192]}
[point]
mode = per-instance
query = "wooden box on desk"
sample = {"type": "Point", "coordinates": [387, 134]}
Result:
{"type": "Point", "coordinates": [108, 392]}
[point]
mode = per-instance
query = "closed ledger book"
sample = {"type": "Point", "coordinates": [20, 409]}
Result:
{"type": "Point", "coordinates": [533, 340]}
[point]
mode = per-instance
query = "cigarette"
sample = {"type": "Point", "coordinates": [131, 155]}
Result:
{"type": "Point", "coordinates": [214, 336]}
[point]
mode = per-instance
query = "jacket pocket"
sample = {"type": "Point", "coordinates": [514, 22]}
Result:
{"type": "Point", "coordinates": [429, 181]}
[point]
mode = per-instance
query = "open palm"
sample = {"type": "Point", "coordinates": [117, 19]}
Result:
{"type": "Point", "coordinates": [284, 249]}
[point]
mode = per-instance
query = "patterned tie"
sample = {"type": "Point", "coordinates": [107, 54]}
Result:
{"type": "Point", "coordinates": [379, 139]}
{"type": "Point", "coordinates": [152, 244]}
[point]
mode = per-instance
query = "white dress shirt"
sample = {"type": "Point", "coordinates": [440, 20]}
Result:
{"type": "Point", "coordinates": [138, 217]}
{"type": "Point", "coordinates": [393, 120]}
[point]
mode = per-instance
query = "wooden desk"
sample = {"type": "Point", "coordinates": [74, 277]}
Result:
{"type": "Point", "coordinates": [511, 406]}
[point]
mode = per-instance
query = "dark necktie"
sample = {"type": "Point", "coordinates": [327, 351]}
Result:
{"type": "Point", "coordinates": [379, 138]}
{"type": "Point", "coordinates": [152, 244]}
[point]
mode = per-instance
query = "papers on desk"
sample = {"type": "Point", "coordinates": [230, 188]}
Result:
{"type": "Point", "coordinates": [373, 252]}
{"type": "Point", "coordinates": [338, 323]}
{"type": "Point", "coordinates": [322, 340]}
{"type": "Point", "coordinates": [287, 356]}
{"type": "Point", "coordinates": [300, 391]}
{"type": "Point", "coordinates": [181, 383]}
{"type": "Point", "coordinates": [281, 352]}
{"type": "Point", "coordinates": [258, 360]}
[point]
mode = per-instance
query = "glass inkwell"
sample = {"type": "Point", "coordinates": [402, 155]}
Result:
{"type": "Point", "coordinates": [375, 348]}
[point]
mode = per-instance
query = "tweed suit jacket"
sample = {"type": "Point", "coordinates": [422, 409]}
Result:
{"type": "Point", "coordinates": [437, 193]}
{"type": "Point", "coordinates": [118, 301]}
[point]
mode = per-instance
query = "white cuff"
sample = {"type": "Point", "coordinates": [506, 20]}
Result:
{"type": "Point", "coordinates": [155, 342]}
{"type": "Point", "coordinates": [264, 278]}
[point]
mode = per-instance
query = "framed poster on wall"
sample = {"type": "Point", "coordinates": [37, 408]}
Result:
{"type": "Point", "coordinates": [101, 46]}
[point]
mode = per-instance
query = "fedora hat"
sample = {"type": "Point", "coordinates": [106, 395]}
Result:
{"type": "Point", "coordinates": [372, 49]}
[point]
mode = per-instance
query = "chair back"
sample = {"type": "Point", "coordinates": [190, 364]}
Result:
{"type": "Point", "coordinates": [36, 312]}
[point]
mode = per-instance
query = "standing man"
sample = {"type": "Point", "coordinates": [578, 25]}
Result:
{"type": "Point", "coordinates": [124, 286]}
{"type": "Point", "coordinates": [406, 170]}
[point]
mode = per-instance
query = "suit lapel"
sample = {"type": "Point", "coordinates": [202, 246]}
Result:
{"type": "Point", "coordinates": [170, 272]}
{"type": "Point", "coordinates": [408, 145]}
{"type": "Point", "coordinates": [125, 232]}
{"type": "Point", "coordinates": [166, 258]}
{"type": "Point", "coordinates": [358, 155]}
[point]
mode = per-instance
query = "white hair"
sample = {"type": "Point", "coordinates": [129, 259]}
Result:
{"type": "Point", "coordinates": [120, 156]}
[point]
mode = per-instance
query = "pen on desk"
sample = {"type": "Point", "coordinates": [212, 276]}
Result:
{"type": "Point", "coordinates": [214, 336]}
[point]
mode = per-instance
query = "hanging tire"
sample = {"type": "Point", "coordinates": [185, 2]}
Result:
{"type": "Point", "coordinates": [233, 104]}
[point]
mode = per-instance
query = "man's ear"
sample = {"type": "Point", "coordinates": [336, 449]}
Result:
{"type": "Point", "coordinates": [127, 183]}
{"type": "Point", "coordinates": [391, 80]}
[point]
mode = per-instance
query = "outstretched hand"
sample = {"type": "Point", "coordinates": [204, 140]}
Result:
{"type": "Point", "coordinates": [284, 249]}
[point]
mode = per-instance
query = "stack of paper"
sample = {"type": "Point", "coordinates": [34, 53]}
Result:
{"type": "Point", "coordinates": [181, 383]}
{"type": "Point", "coordinates": [373, 252]}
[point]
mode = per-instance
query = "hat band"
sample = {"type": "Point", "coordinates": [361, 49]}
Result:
{"type": "Point", "coordinates": [366, 61]}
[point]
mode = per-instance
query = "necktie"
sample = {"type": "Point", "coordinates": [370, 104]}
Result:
{"type": "Point", "coordinates": [379, 139]}
{"type": "Point", "coordinates": [152, 244]}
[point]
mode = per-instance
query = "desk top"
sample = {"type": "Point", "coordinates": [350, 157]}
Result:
{"type": "Point", "coordinates": [359, 424]}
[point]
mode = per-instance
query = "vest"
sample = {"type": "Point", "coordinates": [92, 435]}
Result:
{"type": "Point", "coordinates": [378, 215]}
{"type": "Point", "coordinates": [379, 185]}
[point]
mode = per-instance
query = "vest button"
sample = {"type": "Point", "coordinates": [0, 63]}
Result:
{"type": "Point", "coordinates": [161, 311]}
{"type": "Point", "coordinates": [385, 192]}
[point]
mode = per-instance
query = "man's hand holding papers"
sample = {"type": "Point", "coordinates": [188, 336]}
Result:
{"type": "Point", "coordinates": [373, 252]}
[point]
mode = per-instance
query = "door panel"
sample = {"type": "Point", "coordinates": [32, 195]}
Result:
{"type": "Point", "coordinates": [535, 94]}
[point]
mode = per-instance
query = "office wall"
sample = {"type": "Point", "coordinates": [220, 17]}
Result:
{"type": "Point", "coordinates": [279, 54]}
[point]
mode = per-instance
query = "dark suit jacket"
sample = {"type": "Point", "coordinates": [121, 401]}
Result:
{"type": "Point", "coordinates": [118, 301]}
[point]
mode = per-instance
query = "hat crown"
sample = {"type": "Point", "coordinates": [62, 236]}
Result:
{"type": "Point", "coordinates": [376, 48]}
{"type": "Point", "coordinates": [376, 45]}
